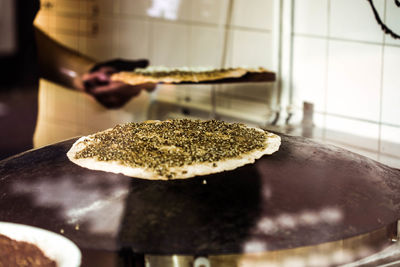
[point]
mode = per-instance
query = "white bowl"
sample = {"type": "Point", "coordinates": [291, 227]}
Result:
{"type": "Point", "coordinates": [56, 247]}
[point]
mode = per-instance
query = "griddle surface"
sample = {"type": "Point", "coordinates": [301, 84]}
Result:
{"type": "Point", "coordinates": [305, 194]}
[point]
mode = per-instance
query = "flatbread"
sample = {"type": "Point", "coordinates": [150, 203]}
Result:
{"type": "Point", "coordinates": [181, 75]}
{"type": "Point", "coordinates": [173, 149]}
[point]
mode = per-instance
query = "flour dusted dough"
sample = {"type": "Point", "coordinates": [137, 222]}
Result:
{"type": "Point", "coordinates": [271, 143]}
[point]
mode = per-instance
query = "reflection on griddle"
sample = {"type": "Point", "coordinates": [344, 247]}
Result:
{"type": "Point", "coordinates": [190, 215]}
{"type": "Point", "coordinates": [79, 201]}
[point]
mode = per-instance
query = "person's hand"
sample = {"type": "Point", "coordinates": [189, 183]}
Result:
{"type": "Point", "coordinates": [111, 94]}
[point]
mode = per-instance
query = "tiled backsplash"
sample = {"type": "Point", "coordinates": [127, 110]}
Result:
{"type": "Point", "coordinates": [195, 36]}
{"type": "Point", "coordinates": [347, 67]}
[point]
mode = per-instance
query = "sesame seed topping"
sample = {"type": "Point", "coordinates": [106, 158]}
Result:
{"type": "Point", "coordinates": [162, 146]}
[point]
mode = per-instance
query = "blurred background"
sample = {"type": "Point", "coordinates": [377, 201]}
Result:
{"type": "Point", "coordinates": [337, 72]}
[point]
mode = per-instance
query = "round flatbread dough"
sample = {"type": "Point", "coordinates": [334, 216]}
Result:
{"type": "Point", "coordinates": [179, 75]}
{"type": "Point", "coordinates": [173, 149]}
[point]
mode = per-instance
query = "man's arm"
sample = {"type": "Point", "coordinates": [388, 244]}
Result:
{"type": "Point", "coordinates": [61, 64]}
{"type": "Point", "coordinates": [69, 68]}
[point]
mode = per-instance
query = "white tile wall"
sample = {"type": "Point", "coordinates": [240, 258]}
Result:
{"type": "Point", "coordinates": [56, 120]}
{"type": "Point", "coordinates": [393, 162]}
{"type": "Point", "coordinates": [204, 38]}
{"type": "Point", "coordinates": [42, 20]}
{"type": "Point", "coordinates": [261, 92]}
{"type": "Point", "coordinates": [184, 9]}
{"type": "Point", "coordinates": [47, 9]}
{"type": "Point", "coordinates": [170, 9]}
{"type": "Point", "coordinates": [57, 108]}
{"type": "Point", "coordinates": [170, 44]}
{"type": "Point", "coordinates": [99, 37]}
{"type": "Point", "coordinates": [319, 120]}
{"type": "Point", "coordinates": [168, 92]}
{"type": "Point", "coordinates": [309, 71]}
{"type": "Point", "coordinates": [257, 15]}
{"type": "Point", "coordinates": [133, 38]}
{"type": "Point", "coordinates": [251, 49]}
{"type": "Point", "coordinates": [392, 21]}
{"type": "Point", "coordinates": [366, 153]}
{"type": "Point", "coordinates": [391, 86]}
{"type": "Point", "coordinates": [65, 24]}
{"type": "Point", "coordinates": [52, 20]}
{"type": "Point", "coordinates": [363, 100]}
{"type": "Point", "coordinates": [99, 118]}
{"type": "Point", "coordinates": [354, 80]}
{"type": "Point", "coordinates": [136, 7]}
{"type": "Point", "coordinates": [62, 6]}
{"type": "Point", "coordinates": [105, 8]}
{"type": "Point", "coordinates": [354, 20]}
{"type": "Point", "coordinates": [50, 133]}
{"type": "Point", "coordinates": [239, 108]}
{"type": "Point", "coordinates": [311, 17]}
{"type": "Point", "coordinates": [390, 140]}
{"type": "Point", "coordinates": [349, 77]}
{"type": "Point", "coordinates": [209, 11]}
{"type": "Point", "coordinates": [353, 132]}
{"type": "Point", "coordinates": [233, 102]}
{"type": "Point", "coordinates": [196, 94]}
{"type": "Point", "coordinates": [67, 40]}
{"type": "Point", "coordinates": [84, 8]}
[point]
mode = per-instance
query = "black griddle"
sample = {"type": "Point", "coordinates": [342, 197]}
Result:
{"type": "Point", "coordinates": [296, 188]}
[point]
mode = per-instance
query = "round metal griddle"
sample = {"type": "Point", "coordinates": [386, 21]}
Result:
{"type": "Point", "coordinates": [303, 195]}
